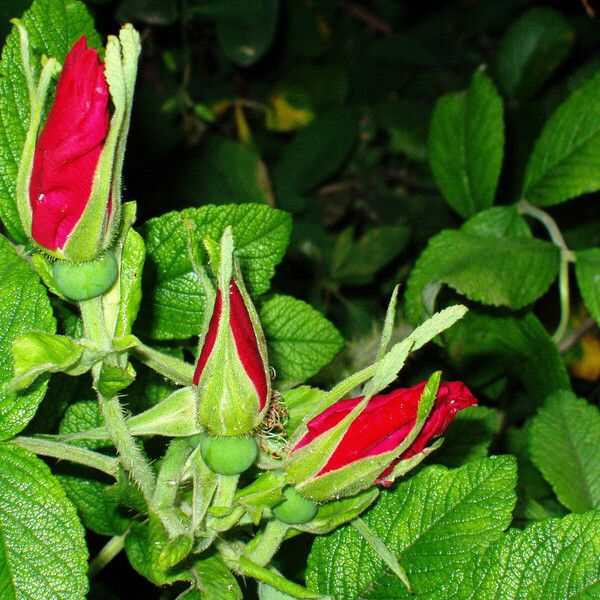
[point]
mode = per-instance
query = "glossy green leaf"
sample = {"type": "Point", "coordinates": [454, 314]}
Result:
{"type": "Point", "coordinates": [301, 341]}
{"type": "Point", "coordinates": [563, 441]}
{"type": "Point", "coordinates": [227, 172]}
{"type": "Point", "coordinates": [144, 545]}
{"type": "Point", "coordinates": [484, 348]}
{"type": "Point", "coordinates": [531, 50]}
{"type": "Point", "coordinates": [433, 523]}
{"type": "Point", "coordinates": [314, 154]}
{"type": "Point", "coordinates": [42, 547]}
{"type": "Point", "coordinates": [565, 161]}
{"type": "Point", "coordinates": [25, 306]}
{"type": "Point", "coordinates": [215, 580]}
{"type": "Point", "coordinates": [174, 295]}
{"type": "Point", "coordinates": [53, 27]}
{"type": "Point", "coordinates": [587, 271]}
{"type": "Point", "coordinates": [357, 262]}
{"type": "Point", "coordinates": [466, 143]}
{"type": "Point", "coordinates": [498, 222]}
{"type": "Point", "coordinates": [554, 559]}
{"type": "Point", "coordinates": [245, 29]}
{"type": "Point", "coordinates": [499, 271]}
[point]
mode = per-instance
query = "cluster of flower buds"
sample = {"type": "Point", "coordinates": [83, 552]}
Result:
{"type": "Point", "coordinates": [348, 447]}
{"type": "Point", "coordinates": [71, 210]}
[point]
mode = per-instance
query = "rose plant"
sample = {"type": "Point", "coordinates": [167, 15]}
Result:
{"type": "Point", "coordinates": [164, 404]}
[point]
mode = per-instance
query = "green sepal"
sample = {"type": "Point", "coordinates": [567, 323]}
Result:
{"type": "Point", "coordinates": [38, 92]}
{"type": "Point", "coordinates": [114, 379]}
{"type": "Point", "coordinates": [303, 464]}
{"type": "Point", "coordinates": [96, 229]}
{"type": "Point", "coordinates": [337, 512]}
{"type": "Point", "coordinates": [384, 371]}
{"type": "Point", "coordinates": [43, 267]}
{"type": "Point", "coordinates": [264, 492]}
{"type": "Point", "coordinates": [36, 352]}
{"type": "Point", "coordinates": [175, 416]}
{"type": "Point", "coordinates": [121, 302]}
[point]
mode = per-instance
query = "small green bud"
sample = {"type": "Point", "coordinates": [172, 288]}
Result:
{"type": "Point", "coordinates": [228, 455]}
{"type": "Point", "coordinates": [295, 509]}
{"type": "Point", "coordinates": [84, 281]}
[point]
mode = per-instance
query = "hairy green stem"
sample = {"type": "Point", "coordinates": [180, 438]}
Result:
{"type": "Point", "coordinates": [274, 579]}
{"type": "Point", "coordinates": [109, 551]}
{"type": "Point", "coordinates": [566, 256]}
{"type": "Point", "coordinates": [267, 542]}
{"type": "Point", "coordinates": [204, 486]}
{"type": "Point", "coordinates": [170, 367]}
{"type": "Point", "coordinates": [564, 295]}
{"type": "Point", "coordinates": [226, 488]}
{"type": "Point", "coordinates": [62, 451]}
{"type": "Point", "coordinates": [93, 322]}
{"type": "Point", "coordinates": [130, 454]}
{"type": "Point", "coordinates": [167, 484]}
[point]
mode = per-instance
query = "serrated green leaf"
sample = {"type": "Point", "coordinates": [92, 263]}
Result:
{"type": "Point", "coordinates": [301, 340]}
{"type": "Point", "coordinates": [315, 152]}
{"type": "Point", "coordinates": [484, 347]}
{"type": "Point", "coordinates": [42, 548]}
{"type": "Point", "coordinates": [498, 222]}
{"type": "Point", "coordinates": [175, 293]}
{"type": "Point", "coordinates": [215, 580]}
{"type": "Point", "coordinates": [25, 306]}
{"type": "Point", "coordinates": [466, 142]}
{"type": "Point", "coordinates": [433, 523]}
{"type": "Point", "coordinates": [533, 493]}
{"type": "Point", "coordinates": [531, 50]}
{"type": "Point", "coordinates": [505, 271]}
{"type": "Point", "coordinates": [563, 441]}
{"type": "Point", "coordinates": [565, 161]}
{"type": "Point", "coordinates": [587, 271]}
{"type": "Point", "coordinates": [555, 559]}
{"type": "Point", "coordinates": [53, 27]}
{"type": "Point", "coordinates": [144, 544]}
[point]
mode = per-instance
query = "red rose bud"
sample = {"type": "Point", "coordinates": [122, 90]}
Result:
{"type": "Point", "coordinates": [366, 452]}
{"type": "Point", "coordinates": [68, 149]}
{"type": "Point", "coordinates": [232, 370]}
